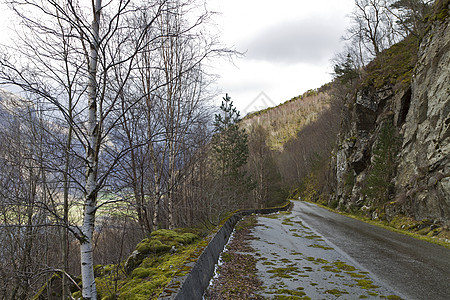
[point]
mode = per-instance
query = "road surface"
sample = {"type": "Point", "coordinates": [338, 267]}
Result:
{"type": "Point", "coordinates": [312, 252]}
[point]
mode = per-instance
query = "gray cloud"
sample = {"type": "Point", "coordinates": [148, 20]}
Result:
{"type": "Point", "coordinates": [303, 41]}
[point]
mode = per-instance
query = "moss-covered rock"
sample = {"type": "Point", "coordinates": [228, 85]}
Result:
{"type": "Point", "coordinates": [146, 272]}
{"type": "Point", "coordinates": [152, 246]}
{"type": "Point", "coordinates": [160, 241]}
{"type": "Point", "coordinates": [393, 66]}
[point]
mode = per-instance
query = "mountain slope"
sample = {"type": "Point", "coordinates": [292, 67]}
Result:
{"type": "Point", "coordinates": [284, 121]}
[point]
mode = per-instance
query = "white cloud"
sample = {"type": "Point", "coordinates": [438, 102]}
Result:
{"type": "Point", "coordinates": [288, 44]}
{"type": "Point", "coordinates": [307, 41]}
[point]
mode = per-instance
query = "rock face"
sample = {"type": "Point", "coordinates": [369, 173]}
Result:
{"type": "Point", "coordinates": [423, 174]}
{"type": "Point", "coordinates": [415, 121]}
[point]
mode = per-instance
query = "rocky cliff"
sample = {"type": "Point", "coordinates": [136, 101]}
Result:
{"type": "Point", "coordinates": [393, 154]}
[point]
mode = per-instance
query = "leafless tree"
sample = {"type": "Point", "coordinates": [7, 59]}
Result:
{"type": "Point", "coordinates": [311, 147]}
{"type": "Point", "coordinates": [372, 25]}
{"type": "Point", "coordinates": [67, 52]}
{"type": "Point", "coordinates": [26, 186]}
{"type": "Point", "coordinates": [97, 69]}
{"type": "Point", "coordinates": [409, 15]}
{"type": "Point", "coordinates": [173, 82]}
{"type": "Point", "coordinates": [378, 24]}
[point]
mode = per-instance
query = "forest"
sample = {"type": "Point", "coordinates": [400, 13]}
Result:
{"type": "Point", "coordinates": [117, 140]}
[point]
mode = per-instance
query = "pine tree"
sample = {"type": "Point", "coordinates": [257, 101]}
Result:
{"type": "Point", "coordinates": [345, 70]}
{"type": "Point", "coordinates": [230, 150]}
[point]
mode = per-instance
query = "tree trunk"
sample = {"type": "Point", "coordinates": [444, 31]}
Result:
{"type": "Point", "coordinates": [87, 262]}
{"type": "Point", "coordinates": [65, 239]}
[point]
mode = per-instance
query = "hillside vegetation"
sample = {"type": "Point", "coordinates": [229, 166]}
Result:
{"type": "Point", "coordinates": [284, 121]}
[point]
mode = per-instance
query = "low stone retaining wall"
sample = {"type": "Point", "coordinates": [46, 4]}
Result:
{"type": "Point", "coordinates": [193, 285]}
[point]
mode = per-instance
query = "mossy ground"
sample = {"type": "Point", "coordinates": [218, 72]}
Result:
{"type": "Point", "coordinates": [394, 66]}
{"type": "Point", "coordinates": [164, 253]}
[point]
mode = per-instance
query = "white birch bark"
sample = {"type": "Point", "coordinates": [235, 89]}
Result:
{"type": "Point", "coordinates": [86, 249]}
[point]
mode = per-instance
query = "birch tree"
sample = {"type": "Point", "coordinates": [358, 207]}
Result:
{"type": "Point", "coordinates": [41, 66]}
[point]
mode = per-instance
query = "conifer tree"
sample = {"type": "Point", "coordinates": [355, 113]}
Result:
{"type": "Point", "coordinates": [230, 150]}
{"type": "Point", "coordinates": [345, 70]}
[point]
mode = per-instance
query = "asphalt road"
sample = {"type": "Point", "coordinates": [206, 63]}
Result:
{"type": "Point", "coordinates": [399, 264]}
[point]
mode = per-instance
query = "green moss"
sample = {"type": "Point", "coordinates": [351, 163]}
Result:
{"type": "Point", "coordinates": [283, 272]}
{"type": "Point", "coordinates": [336, 292]}
{"type": "Point", "coordinates": [288, 222]}
{"type": "Point", "coordinates": [140, 289]}
{"type": "Point", "coordinates": [320, 247]}
{"type": "Point", "coordinates": [141, 273]}
{"type": "Point", "coordinates": [366, 284]}
{"type": "Point", "coordinates": [290, 297]}
{"type": "Point", "coordinates": [343, 266]}
{"type": "Point", "coordinates": [321, 261]}
{"type": "Point", "coordinates": [312, 237]}
{"type": "Point", "coordinates": [331, 269]}
{"type": "Point", "coordinates": [166, 235]}
{"type": "Point", "coordinates": [151, 245]}
{"type": "Point", "coordinates": [355, 275]}
{"type": "Point", "coordinates": [155, 269]}
{"type": "Point", "coordinates": [299, 292]}
{"type": "Point", "coordinates": [274, 217]}
{"type": "Point", "coordinates": [394, 65]}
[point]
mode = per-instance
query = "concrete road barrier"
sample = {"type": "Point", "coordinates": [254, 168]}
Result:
{"type": "Point", "coordinates": [193, 285]}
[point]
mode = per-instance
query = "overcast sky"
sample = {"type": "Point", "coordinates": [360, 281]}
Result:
{"type": "Point", "coordinates": [288, 45]}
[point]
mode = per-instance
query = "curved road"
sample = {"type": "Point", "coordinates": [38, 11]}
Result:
{"type": "Point", "coordinates": [323, 255]}
{"type": "Point", "coordinates": [414, 268]}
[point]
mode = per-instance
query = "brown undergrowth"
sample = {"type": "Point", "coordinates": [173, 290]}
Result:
{"type": "Point", "coordinates": [237, 275]}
